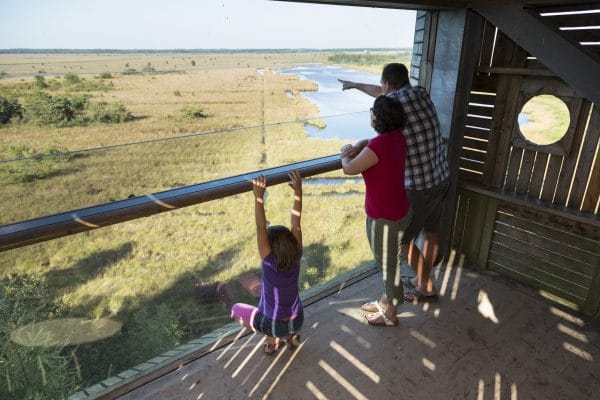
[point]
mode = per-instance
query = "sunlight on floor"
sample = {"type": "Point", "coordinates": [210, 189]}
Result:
{"type": "Point", "coordinates": [342, 381]}
{"type": "Point", "coordinates": [485, 307]}
{"type": "Point", "coordinates": [354, 361]}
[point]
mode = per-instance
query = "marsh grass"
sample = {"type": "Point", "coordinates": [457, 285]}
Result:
{"type": "Point", "coordinates": [124, 270]}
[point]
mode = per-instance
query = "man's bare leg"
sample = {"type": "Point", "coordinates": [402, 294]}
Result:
{"type": "Point", "coordinates": [422, 262]}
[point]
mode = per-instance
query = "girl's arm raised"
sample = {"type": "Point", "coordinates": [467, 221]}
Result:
{"type": "Point", "coordinates": [259, 186]}
{"type": "Point", "coordinates": [296, 184]}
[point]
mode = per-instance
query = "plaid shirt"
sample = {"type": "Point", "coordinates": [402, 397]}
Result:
{"type": "Point", "coordinates": [426, 162]}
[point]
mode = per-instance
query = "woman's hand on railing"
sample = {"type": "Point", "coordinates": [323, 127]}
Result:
{"type": "Point", "coordinates": [259, 185]}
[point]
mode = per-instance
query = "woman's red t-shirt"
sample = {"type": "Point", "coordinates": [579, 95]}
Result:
{"type": "Point", "coordinates": [386, 196]}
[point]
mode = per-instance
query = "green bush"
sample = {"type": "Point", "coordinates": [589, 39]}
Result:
{"type": "Point", "coordinates": [27, 167]}
{"type": "Point", "coordinates": [105, 75]}
{"type": "Point", "coordinates": [109, 113]}
{"type": "Point", "coordinates": [195, 112]}
{"type": "Point", "coordinates": [30, 372]}
{"type": "Point", "coordinates": [9, 109]}
{"type": "Point", "coordinates": [40, 82]}
{"type": "Point", "coordinates": [71, 79]}
{"type": "Point", "coordinates": [60, 111]}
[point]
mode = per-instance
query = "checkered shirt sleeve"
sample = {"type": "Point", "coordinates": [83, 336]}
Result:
{"type": "Point", "coordinates": [426, 161]}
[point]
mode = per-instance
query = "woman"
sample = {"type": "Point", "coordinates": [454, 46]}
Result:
{"type": "Point", "coordinates": [387, 207]}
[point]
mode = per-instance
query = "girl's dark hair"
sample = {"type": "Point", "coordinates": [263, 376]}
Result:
{"type": "Point", "coordinates": [389, 115]}
{"type": "Point", "coordinates": [284, 246]}
{"type": "Point", "coordinates": [395, 74]}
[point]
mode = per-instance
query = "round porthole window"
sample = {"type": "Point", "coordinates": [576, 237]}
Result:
{"type": "Point", "coordinates": [544, 119]}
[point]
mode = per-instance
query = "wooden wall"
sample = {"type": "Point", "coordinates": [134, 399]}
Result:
{"type": "Point", "coordinates": [526, 211]}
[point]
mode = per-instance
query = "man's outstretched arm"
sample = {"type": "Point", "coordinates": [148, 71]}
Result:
{"type": "Point", "coordinates": [371, 90]}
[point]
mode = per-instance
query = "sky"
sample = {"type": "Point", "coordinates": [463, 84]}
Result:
{"type": "Point", "coordinates": [199, 24]}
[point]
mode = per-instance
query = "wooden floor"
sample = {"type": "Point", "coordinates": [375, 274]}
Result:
{"type": "Point", "coordinates": [486, 338]}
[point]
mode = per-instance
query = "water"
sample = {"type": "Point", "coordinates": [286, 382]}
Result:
{"type": "Point", "coordinates": [332, 100]}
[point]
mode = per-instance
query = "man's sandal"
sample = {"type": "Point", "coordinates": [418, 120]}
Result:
{"type": "Point", "coordinates": [417, 297]}
{"type": "Point", "coordinates": [385, 321]}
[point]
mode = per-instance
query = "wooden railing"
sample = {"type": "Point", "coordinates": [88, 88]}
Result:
{"type": "Point", "coordinates": [41, 229]}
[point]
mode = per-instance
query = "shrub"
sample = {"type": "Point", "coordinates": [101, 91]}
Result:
{"type": "Point", "coordinates": [105, 75]}
{"type": "Point", "coordinates": [71, 79]}
{"type": "Point", "coordinates": [110, 113]}
{"type": "Point", "coordinates": [195, 112]}
{"type": "Point", "coordinates": [30, 168]}
{"type": "Point", "coordinates": [40, 82]}
{"type": "Point", "coordinates": [177, 93]}
{"type": "Point", "coordinates": [30, 372]}
{"type": "Point", "coordinates": [3, 74]}
{"type": "Point", "coordinates": [60, 111]}
{"type": "Point", "coordinates": [154, 331]}
{"type": "Point", "coordinates": [9, 109]}
{"type": "Point", "coordinates": [193, 63]}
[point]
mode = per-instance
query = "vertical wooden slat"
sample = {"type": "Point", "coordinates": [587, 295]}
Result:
{"type": "Point", "coordinates": [584, 167]}
{"type": "Point", "coordinates": [537, 176]}
{"type": "Point", "coordinates": [516, 155]}
{"type": "Point", "coordinates": [487, 232]}
{"type": "Point", "coordinates": [568, 167]}
{"type": "Point", "coordinates": [462, 208]}
{"type": "Point", "coordinates": [551, 178]}
{"type": "Point", "coordinates": [487, 44]}
{"type": "Point", "coordinates": [501, 132]}
{"type": "Point", "coordinates": [593, 192]}
{"type": "Point", "coordinates": [525, 171]}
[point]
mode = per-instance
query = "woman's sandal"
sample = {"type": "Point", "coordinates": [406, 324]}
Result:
{"type": "Point", "coordinates": [370, 306]}
{"type": "Point", "coordinates": [270, 348]}
{"type": "Point", "coordinates": [385, 321]}
{"type": "Point", "coordinates": [292, 341]}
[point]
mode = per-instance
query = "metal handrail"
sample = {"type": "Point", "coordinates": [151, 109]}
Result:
{"type": "Point", "coordinates": [42, 229]}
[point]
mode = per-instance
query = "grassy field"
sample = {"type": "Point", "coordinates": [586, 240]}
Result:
{"type": "Point", "coordinates": [117, 271]}
{"type": "Point", "coordinates": [548, 119]}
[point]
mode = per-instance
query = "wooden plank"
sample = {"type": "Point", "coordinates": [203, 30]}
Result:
{"type": "Point", "coordinates": [584, 165]}
{"type": "Point", "coordinates": [480, 110]}
{"type": "Point", "coordinates": [487, 44]}
{"type": "Point", "coordinates": [537, 176]}
{"type": "Point", "coordinates": [569, 162]}
{"type": "Point", "coordinates": [505, 112]}
{"type": "Point", "coordinates": [469, 176]}
{"type": "Point", "coordinates": [471, 164]}
{"type": "Point", "coordinates": [525, 171]}
{"type": "Point", "coordinates": [462, 209]}
{"type": "Point", "coordinates": [573, 20]}
{"type": "Point", "coordinates": [592, 194]}
{"type": "Point", "coordinates": [477, 133]}
{"type": "Point", "coordinates": [592, 303]}
{"type": "Point", "coordinates": [581, 234]}
{"type": "Point", "coordinates": [485, 240]}
{"type": "Point", "coordinates": [543, 207]}
{"type": "Point", "coordinates": [587, 35]}
{"type": "Point", "coordinates": [503, 51]}
{"type": "Point", "coordinates": [573, 64]}
{"type": "Point", "coordinates": [473, 155]}
{"type": "Point", "coordinates": [551, 178]}
{"type": "Point", "coordinates": [473, 227]}
{"type": "Point", "coordinates": [479, 122]}
{"type": "Point", "coordinates": [552, 263]}
{"type": "Point", "coordinates": [516, 155]}
{"type": "Point", "coordinates": [535, 72]}
{"type": "Point", "coordinates": [482, 98]}
{"type": "Point", "coordinates": [420, 23]}
{"type": "Point", "coordinates": [528, 262]}
{"type": "Point", "coordinates": [484, 83]}
{"type": "Point", "coordinates": [565, 257]}
{"type": "Point", "coordinates": [512, 268]}
{"type": "Point", "coordinates": [474, 144]}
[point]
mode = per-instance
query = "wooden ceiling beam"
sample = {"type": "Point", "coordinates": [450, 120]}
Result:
{"type": "Point", "coordinates": [565, 59]}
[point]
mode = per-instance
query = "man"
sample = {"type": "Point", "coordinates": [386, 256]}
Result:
{"type": "Point", "coordinates": [426, 175]}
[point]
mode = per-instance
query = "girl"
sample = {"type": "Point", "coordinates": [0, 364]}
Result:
{"type": "Point", "coordinates": [279, 312]}
{"type": "Point", "coordinates": [381, 162]}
